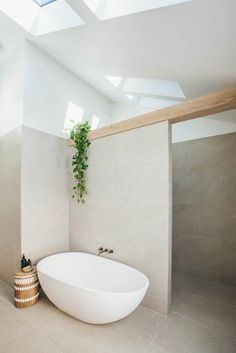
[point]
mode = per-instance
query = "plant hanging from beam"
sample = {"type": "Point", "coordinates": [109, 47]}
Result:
{"type": "Point", "coordinates": [79, 134]}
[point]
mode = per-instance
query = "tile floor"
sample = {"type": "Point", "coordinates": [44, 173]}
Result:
{"type": "Point", "coordinates": [202, 320]}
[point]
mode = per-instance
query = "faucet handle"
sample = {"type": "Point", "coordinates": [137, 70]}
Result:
{"type": "Point", "coordinates": [110, 251]}
{"type": "Point", "coordinates": [100, 249]}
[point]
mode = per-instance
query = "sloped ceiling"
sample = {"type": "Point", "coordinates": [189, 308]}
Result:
{"type": "Point", "coordinates": [192, 43]}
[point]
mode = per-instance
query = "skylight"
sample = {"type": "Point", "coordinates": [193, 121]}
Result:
{"type": "Point", "coordinates": [44, 2]}
{"type": "Point", "coordinates": [115, 80]}
{"type": "Point", "coordinates": [37, 18]}
{"type": "Point", "coordinates": [105, 9]}
{"type": "Point", "coordinates": [165, 88]}
{"type": "Point", "coordinates": [150, 93]}
{"type": "Point", "coordinates": [147, 87]}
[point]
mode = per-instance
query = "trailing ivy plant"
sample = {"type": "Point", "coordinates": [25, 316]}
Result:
{"type": "Point", "coordinates": [79, 134]}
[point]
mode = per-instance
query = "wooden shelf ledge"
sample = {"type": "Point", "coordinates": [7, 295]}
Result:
{"type": "Point", "coordinates": [192, 109]}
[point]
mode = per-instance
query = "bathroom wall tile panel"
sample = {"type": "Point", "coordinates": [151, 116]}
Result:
{"type": "Point", "coordinates": [229, 250]}
{"type": "Point", "coordinates": [215, 220]}
{"type": "Point", "coordinates": [183, 190]}
{"type": "Point", "coordinates": [207, 232]}
{"type": "Point", "coordinates": [177, 251]}
{"type": "Point", "coordinates": [10, 184]}
{"type": "Point", "coordinates": [128, 205]}
{"type": "Point", "coordinates": [10, 177]}
{"type": "Point", "coordinates": [10, 147]}
{"type": "Point", "coordinates": [138, 143]}
{"type": "Point", "coordinates": [9, 218]}
{"type": "Point", "coordinates": [183, 218]}
{"type": "Point", "coordinates": [52, 218]}
{"type": "Point", "coordinates": [46, 247]}
{"type": "Point", "coordinates": [9, 255]}
{"type": "Point", "coordinates": [51, 180]}
{"type": "Point", "coordinates": [195, 257]}
{"type": "Point", "coordinates": [44, 148]}
{"type": "Point", "coordinates": [45, 196]}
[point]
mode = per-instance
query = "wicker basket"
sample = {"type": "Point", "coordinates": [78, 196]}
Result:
{"type": "Point", "coordinates": [26, 286]}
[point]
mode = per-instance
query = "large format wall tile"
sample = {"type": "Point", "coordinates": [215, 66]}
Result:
{"type": "Point", "coordinates": [128, 207]}
{"type": "Point", "coordinates": [10, 197]}
{"type": "Point", "coordinates": [204, 197]}
{"type": "Point", "coordinates": [44, 194]}
{"type": "Point", "coordinates": [34, 199]}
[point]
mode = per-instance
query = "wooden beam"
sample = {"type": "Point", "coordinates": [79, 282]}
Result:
{"type": "Point", "coordinates": [195, 108]}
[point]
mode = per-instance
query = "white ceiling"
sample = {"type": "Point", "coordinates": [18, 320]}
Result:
{"type": "Point", "coordinates": [192, 43]}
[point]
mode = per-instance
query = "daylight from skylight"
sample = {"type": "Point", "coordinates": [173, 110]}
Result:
{"type": "Point", "coordinates": [44, 2]}
{"type": "Point", "coordinates": [40, 19]}
{"type": "Point", "coordinates": [105, 9]}
{"type": "Point", "coordinates": [146, 92]}
{"type": "Point", "coordinates": [165, 88]}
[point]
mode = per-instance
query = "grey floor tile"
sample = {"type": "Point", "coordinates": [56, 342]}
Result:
{"type": "Point", "coordinates": [210, 312]}
{"type": "Point", "coordinates": [80, 337]}
{"type": "Point", "coordinates": [41, 310]}
{"type": "Point", "coordinates": [143, 322]}
{"type": "Point", "coordinates": [6, 292]}
{"type": "Point", "coordinates": [179, 284]}
{"type": "Point", "coordinates": [30, 342]}
{"type": "Point", "coordinates": [212, 290]}
{"type": "Point", "coordinates": [11, 323]}
{"type": "Point", "coordinates": [203, 320]}
{"type": "Point", "coordinates": [184, 335]}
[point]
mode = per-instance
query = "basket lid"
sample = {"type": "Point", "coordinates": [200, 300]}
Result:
{"type": "Point", "coordinates": [21, 274]}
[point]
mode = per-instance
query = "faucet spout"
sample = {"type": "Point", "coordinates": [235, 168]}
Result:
{"type": "Point", "coordinates": [101, 250]}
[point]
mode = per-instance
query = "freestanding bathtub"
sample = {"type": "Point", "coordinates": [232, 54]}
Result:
{"type": "Point", "coordinates": [91, 288]}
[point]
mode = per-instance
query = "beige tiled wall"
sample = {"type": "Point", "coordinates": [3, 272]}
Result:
{"type": "Point", "coordinates": [10, 199]}
{"type": "Point", "coordinates": [44, 194]}
{"type": "Point", "coordinates": [128, 207]}
{"type": "Point", "coordinates": [204, 217]}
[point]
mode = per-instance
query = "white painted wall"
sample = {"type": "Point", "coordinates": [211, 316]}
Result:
{"type": "Point", "coordinates": [219, 124]}
{"type": "Point", "coordinates": [49, 90]}
{"type": "Point", "coordinates": [11, 93]}
{"type": "Point", "coordinates": [123, 111]}
{"type": "Point", "coordinates": [212, 125]}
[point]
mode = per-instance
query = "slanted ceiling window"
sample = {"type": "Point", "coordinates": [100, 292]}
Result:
{"type": "Point", "coordinates": [150, 93]}
{"type": "Point", "coordinates": [105, 9]}
{"type": "Point", "coordinates": [37, 18]}
{"type": "Point", "coordinates": [44, 2]}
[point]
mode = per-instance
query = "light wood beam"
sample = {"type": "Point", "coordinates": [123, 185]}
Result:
{"type": "Point", "coordinates": [195, 108]}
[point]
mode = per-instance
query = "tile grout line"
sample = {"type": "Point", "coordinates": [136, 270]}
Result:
{"type": "Point", "coordinates": [204, 324]}
{"type": "Point", "coordinates": [158, 331]}
{"type": "Point", "coordinates": [48, 340]}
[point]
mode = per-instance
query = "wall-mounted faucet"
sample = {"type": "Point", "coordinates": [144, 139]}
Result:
{"type": "Point", "coordinates": [101, 250]}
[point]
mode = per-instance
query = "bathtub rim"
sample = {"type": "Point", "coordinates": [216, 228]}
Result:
{"type": "Point", "coordinates": [144, 288]}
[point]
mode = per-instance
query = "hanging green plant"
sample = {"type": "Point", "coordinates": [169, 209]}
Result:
{"type": "Point", "coordinates": [79, 134]}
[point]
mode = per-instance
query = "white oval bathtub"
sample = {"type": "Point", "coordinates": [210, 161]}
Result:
{"type": "Point", "coordinates": [91, 288]}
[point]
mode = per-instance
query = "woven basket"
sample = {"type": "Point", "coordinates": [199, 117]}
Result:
{"type": "Point", "coordinates": [26, 286]}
